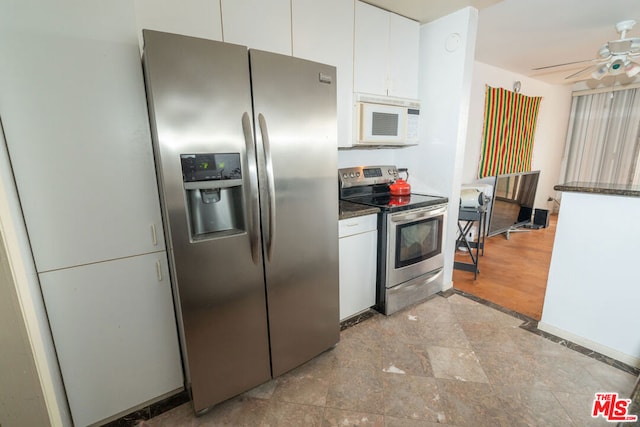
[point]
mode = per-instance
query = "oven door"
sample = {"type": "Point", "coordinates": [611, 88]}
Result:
{"type": "Point", "coordinates": [414, 243]}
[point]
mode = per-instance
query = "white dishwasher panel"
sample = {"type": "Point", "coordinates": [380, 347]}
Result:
{"type": "Point", "coordinates": [360, 224]}
{"type": "Point", "coordinates": [358, 248]}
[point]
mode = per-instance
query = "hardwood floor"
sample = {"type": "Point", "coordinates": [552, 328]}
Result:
{"type": "Point", "coordinates": [513, 273]}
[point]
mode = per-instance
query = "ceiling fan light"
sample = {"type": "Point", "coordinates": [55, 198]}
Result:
{"type": "Point", "coordinates": [616, 67]}
{"type": "Point", "coordinates": [600, 72]}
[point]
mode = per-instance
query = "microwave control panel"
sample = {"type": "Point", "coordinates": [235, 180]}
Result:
{"type": "Point", "coordinates": [413, 122]}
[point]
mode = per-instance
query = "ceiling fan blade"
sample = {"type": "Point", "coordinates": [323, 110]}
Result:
{"type": "Point", "coordinates": [567, 63]}
{"type": "Point", "coordinates": [632, 69]}
{"type": "Point", "coordinates": [584, 70]}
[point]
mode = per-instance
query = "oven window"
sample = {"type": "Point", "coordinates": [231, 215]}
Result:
{"type": "Point", "coordinates": [418, 241]}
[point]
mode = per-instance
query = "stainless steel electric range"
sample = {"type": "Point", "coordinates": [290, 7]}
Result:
{"type": "Point", "coordinates": [410, 236]}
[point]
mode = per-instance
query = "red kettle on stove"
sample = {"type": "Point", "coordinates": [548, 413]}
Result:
{"type": "Point", "coordinates": [400, 187]}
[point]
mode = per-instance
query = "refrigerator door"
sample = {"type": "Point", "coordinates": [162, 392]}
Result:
{"type": "Point", "coordinates": [296, 134]}
{"type": "Point", "coordinates": [200, 103]}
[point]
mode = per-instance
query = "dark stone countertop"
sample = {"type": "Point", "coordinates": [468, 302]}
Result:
{"type": "Point", "coordinates": [352, 210]}
{"type": "Point", "coordinates": [600, 188]}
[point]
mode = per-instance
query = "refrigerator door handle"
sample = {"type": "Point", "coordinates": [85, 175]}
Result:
{"type": "Point", "coordinates": [254, 219]}
{"type": "Point", "coordinates": [270, 184]}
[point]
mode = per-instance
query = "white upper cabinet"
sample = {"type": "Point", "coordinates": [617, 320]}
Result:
{"type": "Point", "coordinates": [74, 112]}
{"type": "Point", "coordinates": [371, 49]}
{"type": "Point", "coordinates": [258, 24]}
{"type": "Point", "coordinates": [385, 53]}
{"type": "Point", "coordinates": [404, 40]}
{"type": "Point", "coordinates": [323, 32]}
{"type": "Point", "coordinates": [196, 18]}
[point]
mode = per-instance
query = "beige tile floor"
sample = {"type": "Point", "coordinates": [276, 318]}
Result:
{"type": "Point", "coordinates": [448, 361]}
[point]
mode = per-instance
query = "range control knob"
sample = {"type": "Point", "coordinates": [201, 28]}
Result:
{"type": "Point", "coordinates": [345, 175]}
{"type": "Point", "coordinates": [390, 171]}
{"type": "Point", "coordinates": [352, 175]}
{"type": "Point", "coordinates": [358, 174]}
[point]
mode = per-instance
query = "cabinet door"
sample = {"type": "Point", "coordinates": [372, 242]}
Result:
{"type": "Point", "coordinates": [404, 38]}
{"type": "Point", "coordinates": [371, 49]}
{"type": "Point", "coordinates": [74, 112]}
{"type": "Point", "coordinates": [323, 32]}
{"type": "Point", "coordinates": [197, 18]}
{"type": "Point", "coordinates": [114, 330]}
{"type": "Point", "coordinates": [258, 24]}
{"type": "Point", "coordinates": [357, 265]}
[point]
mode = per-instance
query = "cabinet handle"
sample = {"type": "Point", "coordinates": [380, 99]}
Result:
{"type": "Point", "coordinates": [154, 237]}
{"type": "Point", "coordinates": [159, 270]}
{"type": "Point", "coordinates": [355, 224]}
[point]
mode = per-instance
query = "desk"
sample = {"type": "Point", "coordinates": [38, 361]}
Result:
{"type": "Point", "coordinates": [466, 219]}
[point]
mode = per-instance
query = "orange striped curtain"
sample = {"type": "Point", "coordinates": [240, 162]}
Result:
{"type": "Point", "coordinates": [509, 127]}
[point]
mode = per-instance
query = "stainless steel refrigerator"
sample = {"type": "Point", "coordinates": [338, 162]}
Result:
{"type": "Point", "coordinates": [246, 156]}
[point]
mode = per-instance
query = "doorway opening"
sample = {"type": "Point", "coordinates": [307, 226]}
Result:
{"type": "Point", "coordinates": [512, 272]}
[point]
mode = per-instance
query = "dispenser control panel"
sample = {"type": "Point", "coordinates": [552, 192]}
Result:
{"type": "Point", "coordinates": [210, 167]}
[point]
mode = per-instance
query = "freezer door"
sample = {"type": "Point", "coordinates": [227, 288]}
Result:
{"type": "Point", "coordinates": [200, 102]}
{"type": "Point", "coordinates": [296, 135]}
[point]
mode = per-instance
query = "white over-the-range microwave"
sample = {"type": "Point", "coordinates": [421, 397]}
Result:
{"type": "Point", "coordinates": [385, 121]}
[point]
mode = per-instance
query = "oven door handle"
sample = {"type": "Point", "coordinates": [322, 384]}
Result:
{"type": "Point", "coordinates": [403, 218]}
{"type": "Point", "coordinates": [433, 275]}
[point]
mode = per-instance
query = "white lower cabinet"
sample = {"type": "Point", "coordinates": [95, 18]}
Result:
{"type": "Point", "coordinates": [115, 334]}
{"type": "Point", "coordinates": [358, 248]}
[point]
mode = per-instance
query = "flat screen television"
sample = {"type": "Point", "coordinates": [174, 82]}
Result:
{"type": "Point", "coordinates": [513, 198]}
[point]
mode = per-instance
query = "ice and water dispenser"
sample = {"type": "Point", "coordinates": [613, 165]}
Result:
{"type": "Point", "coordinates": [213, 190]}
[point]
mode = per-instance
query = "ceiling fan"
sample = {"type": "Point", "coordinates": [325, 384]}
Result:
{"type": "Point", "coordinates": [614, 57]}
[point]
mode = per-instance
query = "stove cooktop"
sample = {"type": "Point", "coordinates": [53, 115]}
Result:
{"type": "Point", "coordinates": [388, 203]}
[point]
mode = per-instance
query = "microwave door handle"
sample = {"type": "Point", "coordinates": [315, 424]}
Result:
{"type": "Point", "coordinates": [266, 145]}
{"type": "Point", "coordinates": [254, 219]}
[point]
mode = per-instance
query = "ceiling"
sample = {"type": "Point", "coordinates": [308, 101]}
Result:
{"type": "Point", "coordinates": [518, 35]}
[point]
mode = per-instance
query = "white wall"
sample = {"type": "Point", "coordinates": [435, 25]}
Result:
{"type": "Point", "coordinates": [21, 399]}
{"type": "Point", "coordinates": [550, 133]}
{"type": "Point", "coordinates": [196, 18]}
{"type": "Point", "coordinates": [367, 157]}
{"type": "Point", "coordinates": [592, 292]}
{"type": "Point", "coordinates": [447, 48]}
{"type": "Point", "coordinates": [27, 290]}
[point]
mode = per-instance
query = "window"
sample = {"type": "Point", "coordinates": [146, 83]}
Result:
{"type": "Point", "coordinates": [602, 139]}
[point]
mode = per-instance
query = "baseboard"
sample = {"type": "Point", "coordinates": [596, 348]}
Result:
{"type": "Point", "coordinates": [592, 345]}
{"type": "Point", "coordinates": [147, 410]}
{"type": "Point", "coordinates": [447, 286]}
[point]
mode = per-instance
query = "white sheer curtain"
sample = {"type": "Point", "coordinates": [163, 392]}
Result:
{"type": "Point", "coordinates": [602, 140]}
